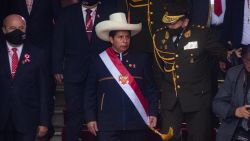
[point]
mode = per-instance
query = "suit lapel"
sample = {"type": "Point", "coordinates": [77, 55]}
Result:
{"type": "Point", "coordinates": [5, 61]}
{"type": "Point", "coordinates": [24, 7]}
{"type": "Point", "coordinates": [34, 5]}
{"type": "Point", "coordinates": [240, 87]}
{"type": "Point", "coordinates": [80, 22]}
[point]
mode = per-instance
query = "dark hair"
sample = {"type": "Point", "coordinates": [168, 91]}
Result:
{"type": "Point", "coordinates": [113, 32]}
{"type": "Point", "coordinates": [245, 51]}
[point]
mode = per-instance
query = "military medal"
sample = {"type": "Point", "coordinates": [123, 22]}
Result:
{"type": "Point", "coordinates": [163, 41]}
{"type": "Point", "coordinates": [192, 60]}
{"type": "Point", "coordinates": [166, 35]}
{"type": "Point", "coordinates": [187, 34]}
{"type": "Point", "coordinates": [123, 79]}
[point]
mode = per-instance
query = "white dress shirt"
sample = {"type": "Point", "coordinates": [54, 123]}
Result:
{"type": "Point", "coordinates": [10, 52]}
{"type": "Point", "coordinates": [246, 25]}
{"type": "Point", "coordinates": [93, 14]}
{"type": "Point", "coordinates": [217, 20]}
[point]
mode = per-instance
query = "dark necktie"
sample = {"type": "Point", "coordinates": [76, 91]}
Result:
{"type": "Point", "coordinates": [217, 7]}
{"type": "Point", "coordinates": [89, 23]}
{"type": "Point", "coordinates": [14, 62]}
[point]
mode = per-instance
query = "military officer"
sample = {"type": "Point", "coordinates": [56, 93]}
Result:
{"type": "Point", "coordinates": [182, 52]}
{"type": "Point", "coordinates": [121, 98]}
{"type": "Point", "coordinates": [150, 11]}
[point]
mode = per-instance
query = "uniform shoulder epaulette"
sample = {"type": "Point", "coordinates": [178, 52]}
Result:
{"type": "Point", "coordinates": [199, 26]}
{"type": "Point", "coordinates": [160, 29]}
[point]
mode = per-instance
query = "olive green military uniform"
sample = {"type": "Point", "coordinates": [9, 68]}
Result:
{"type": "Point", "coordinates": [185, 80]}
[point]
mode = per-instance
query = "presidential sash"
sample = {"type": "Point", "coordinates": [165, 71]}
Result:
{"type": "Point", "coordinates": [125, 81]}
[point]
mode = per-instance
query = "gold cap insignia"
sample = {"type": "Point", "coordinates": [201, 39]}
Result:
{"type": "Point", "coordinates": [171, 19]}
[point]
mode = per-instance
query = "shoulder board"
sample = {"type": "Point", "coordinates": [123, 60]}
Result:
{"type": "Point", "coordinates": [199, 26]}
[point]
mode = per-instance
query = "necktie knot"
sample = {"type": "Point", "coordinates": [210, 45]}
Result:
{"type": "Point", "coordinates": [89, 11]}
{"type": "Point", "coordinates": [14, 50]}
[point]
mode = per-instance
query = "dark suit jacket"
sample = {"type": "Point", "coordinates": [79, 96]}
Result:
{"type": "Point", "coordinates": [40, 22]}
{"type": "Point", "coordinates": [25, 97]}
{"type": "Point", "coordinates": [72, 49]}
{"type": "Point", "coordinates": [105, 101]}
{"type": "Point", "coordinates": [229, 97]}
{"type": "Point", "coordinates": [233, 22]}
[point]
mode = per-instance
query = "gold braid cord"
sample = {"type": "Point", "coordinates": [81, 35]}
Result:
{"type": "Point", "coordinates": [168, 61]}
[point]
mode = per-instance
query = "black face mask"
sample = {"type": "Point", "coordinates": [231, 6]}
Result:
{"type": "Point", "coordinates": [175, 32]}
{"type": "Point", "coordinates": [15, 37]}
{"type": "Point", "coordinates": [89, 2]}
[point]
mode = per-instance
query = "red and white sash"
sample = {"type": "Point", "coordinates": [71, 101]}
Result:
{"type": "Point", "coordinates": [125, 81]}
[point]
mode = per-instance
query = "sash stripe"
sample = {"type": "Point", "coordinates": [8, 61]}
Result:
{"type": "Point", "coordinates": [116, 68]}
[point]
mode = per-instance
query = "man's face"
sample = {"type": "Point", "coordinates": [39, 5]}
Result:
{"type": "Point", "coordinates": [246, 61]}
{"type": "Point", "coordinates": [14, 22]}
{"type": "Point", "coordinates": [121, 41]}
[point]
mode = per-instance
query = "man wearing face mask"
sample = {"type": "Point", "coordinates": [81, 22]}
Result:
{"type": "Point", "coordinates": [23, 83]}
{"type": "Point", "coordinates": [74, 42]}
{"type": "Point", "coordinates": [182, 52]}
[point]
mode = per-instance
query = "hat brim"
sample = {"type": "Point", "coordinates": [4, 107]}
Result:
{"type": "Point", "coordinates": [103, 28]}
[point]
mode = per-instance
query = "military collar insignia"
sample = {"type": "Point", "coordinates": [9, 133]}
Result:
{"type": "Point", "coordinates": [187, 34]}
{"type": "Point", "coordinates": [166, 35]}
{"type": "Point", "coordinates": [171, 19]}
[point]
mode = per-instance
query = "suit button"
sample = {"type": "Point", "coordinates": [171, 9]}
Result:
{"type": "Point", "coordinates": [152, 22]}
{"type": "Point", "coordinates": [176, 55]}
{"type": "Point", "coordinates": [151, 13]}
{"type": "Point", "coordinates": [178, 86]}
{"type": "Point", "coordinates": [177, 76]}
{"type": "Point", "coordinates": [150, 3]}
{"type": "Point", "coordinates": [177, 66]}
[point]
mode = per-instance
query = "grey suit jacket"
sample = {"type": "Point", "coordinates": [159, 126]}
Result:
{"type": "Point", "coordinates": [229, 97]}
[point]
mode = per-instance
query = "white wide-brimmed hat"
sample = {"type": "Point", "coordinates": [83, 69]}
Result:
{"type": "Point", "coordinates": [117, 21]}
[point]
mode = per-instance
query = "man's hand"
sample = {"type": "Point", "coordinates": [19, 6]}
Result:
{"type": "Point", "coordinates": [229, 54]}
{"type": "Point", "coordinates": [152, 121]}
{"type": "Point", "coordinates": [59, 78]}
{"type": "Point", "coordinates": [92, 127]}
{"type": "Point", "coordinates": [222, 66]}
{"type": "Point", "coordinates": [242, 112]}
{"type": "Point", "coordinates": [238, 52]}
{"type": "Point", "coordinates": [41, 131]}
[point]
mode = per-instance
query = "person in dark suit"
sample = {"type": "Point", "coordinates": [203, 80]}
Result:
{"type": "Point", "coordinates": [232, 102]}
{"type": "Point", "coordinates": [23, 83]}
{"type": "Point", "coordinates": [40, 16]}
{"type": "Point", "coordinates": [119, 86]}
{"type": "Point", "coordinates": [74, 42]}
{"type": "Point", "coordinates": [182, 52]}
{"type": "Point", "coordinates": [235, 29]}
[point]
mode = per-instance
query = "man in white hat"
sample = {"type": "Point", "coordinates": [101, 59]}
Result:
{"type": "Point", "coordinates": [121, 99]}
